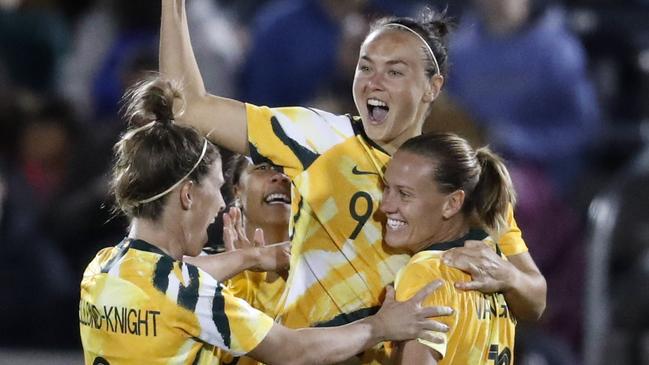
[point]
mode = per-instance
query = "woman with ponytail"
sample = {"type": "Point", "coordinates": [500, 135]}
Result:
{"type": "Point", "coordinates": [146, 301]}
{"type": "Point", "coordinates": [440, 193]}
{"type": "Point", "coordinates": [340, 266]}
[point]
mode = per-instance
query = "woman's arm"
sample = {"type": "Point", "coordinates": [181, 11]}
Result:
{"type": "Point", "coordinates": [394, 321]}
{"type": "Point", "coordinates": [224, 119]}
{"type": "Point", "coordinates": [518, 277]}
{"type": "Point", "coordinates": [225, 265]}
{"type": "Point", "coordinates": [413, 352]}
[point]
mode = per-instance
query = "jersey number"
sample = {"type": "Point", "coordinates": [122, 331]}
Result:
{"type": "Point", "coordinates": [100, 361]}
{"type": "Point", "coordinates": [362, 216]}
{"type": "Point", "coordinates": [502, 358]}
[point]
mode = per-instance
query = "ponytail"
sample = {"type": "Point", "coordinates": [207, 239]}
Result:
{"type": "Point", "coordinates": [494, 193]}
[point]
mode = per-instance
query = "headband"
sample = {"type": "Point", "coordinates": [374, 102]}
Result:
{"type": "Point", "coordinates": [430, 50]}
{"type": "Point", "coordinates": [158, 196]}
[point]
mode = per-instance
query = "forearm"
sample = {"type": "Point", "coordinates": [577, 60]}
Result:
{"type": "Point", "coordinates": [224, 120]}
{"type": "Point", "coordinates": [341, 342]}
{"type": "Point", "coordinates": [227, 264]}
{"type": "Point", "coordinates": [318, 345]}
{"type": "Point", "coordinates": [177, 60]}
{"type": "Point", "coordinates": [527, 290]}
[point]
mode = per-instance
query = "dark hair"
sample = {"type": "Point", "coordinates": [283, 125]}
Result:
{"type": "Point", "coordinates": [481, 174]}
{"type": "Point", "coordinates": [235, 168]}
{"type": "Point", "coordinates": [155, 152]}
{"type": "Point", "coordinates": [432, 26]}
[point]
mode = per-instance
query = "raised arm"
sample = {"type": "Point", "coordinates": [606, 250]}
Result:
{"type": "Point", "coordinates": [224, 119]}
{"type": "Point", "coordinates": [395, 321]}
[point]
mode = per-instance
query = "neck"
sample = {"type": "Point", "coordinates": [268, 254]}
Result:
{"type": "Point", "coordinates": [156, 234]}
{"type": "Point", "coordinates": [450, 230]}
{"type": "Point", "coordinates": [273, 233]}
{"type": "Point", "coordinates": [392, 146]}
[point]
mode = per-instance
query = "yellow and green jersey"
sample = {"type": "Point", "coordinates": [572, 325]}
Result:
{"type": "Point", "coordinates": [140, 306]}
{"type": "Point", "coordinates": [263, 291]}
{"type": "Point", "coordinates": [339, 263]}
{"type": "Point", "coordinates": [482, 328]}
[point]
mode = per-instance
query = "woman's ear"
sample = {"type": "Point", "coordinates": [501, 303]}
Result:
{"type": "Point", "coordinates": [186, 194]}
{"type": "Point", "coordinates": [434, 88]}
{"type": "Point", "coordinates": [453, 204]}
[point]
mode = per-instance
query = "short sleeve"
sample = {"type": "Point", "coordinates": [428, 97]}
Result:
{"type": "Point", "coordinates": [511, 242]}
{"type": "Point", "coordinates": [293, 137]}
{"type": "Point", "coordinates": [413, 278]}
{"type": "Point", "coordinates": [209, 311]}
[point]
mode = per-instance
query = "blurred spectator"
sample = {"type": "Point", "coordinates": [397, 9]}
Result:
{"type": "Point", "coordinates": [294, 50]}
{"type": "Point", "coordinates": [523, 75]}
{"type": "Point", "coordinates": [36, 276]}
{"type": "Point", "coordinates": [301, 51]}
{"type": "Point", "coordinates": [116, 40]}
{"type": "Point", "coordinates": [33, 39]}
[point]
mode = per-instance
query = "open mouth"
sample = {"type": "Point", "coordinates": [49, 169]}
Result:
{"type": "Point", "coordinates": [377, 109]}
{"type": "Point", "coordinates": [395, 224]}
{"type": "Point", "coordinates": [277, 198]}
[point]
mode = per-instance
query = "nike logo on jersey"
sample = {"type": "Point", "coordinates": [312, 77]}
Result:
{"type": "Point", "coordinates": [356, 171]}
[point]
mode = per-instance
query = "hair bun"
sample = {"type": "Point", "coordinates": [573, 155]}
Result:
{"type": "Point", "coordinates": [436, 21]}
{"type": "Point", "coordinates": [150, 100]}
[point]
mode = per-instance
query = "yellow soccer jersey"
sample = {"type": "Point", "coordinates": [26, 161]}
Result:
{"type": "Point", "coordinates": [482, 328]}
{"type": "Point", "coordinates": [339, 263]}
{"type": "Point", "coordinates": [140, 306]}
{"type": "Point", "coordinates": [261, 290]}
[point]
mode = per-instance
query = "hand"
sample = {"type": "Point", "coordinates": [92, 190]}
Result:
{"type": "Point", "coordinates": [489, 272]}
{"type": "Point", "coordinates": [409, 320]}
{"type": "Point", "coordinates": [234, 234]}
{"type": "Point", "coordinates": [275, 257]}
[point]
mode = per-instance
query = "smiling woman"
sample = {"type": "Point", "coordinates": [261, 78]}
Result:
{"type": "Point", "coordinates": [439, 193]}
{"type": "Point", "coordinates": [142, 302]}
{"type": "Point", "coordinates": [339, 264]}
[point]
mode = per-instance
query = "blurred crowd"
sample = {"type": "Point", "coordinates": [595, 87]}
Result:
{"type": "Point", "coordinates": [560, 88]}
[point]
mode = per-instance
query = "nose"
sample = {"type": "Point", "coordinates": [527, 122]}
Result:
{"type": "Point", "coordinates": [387, 202]}
{"type": "Point", "coordinates": [375, 81]}
{"type": "Point", "coordinates": [279, 177]}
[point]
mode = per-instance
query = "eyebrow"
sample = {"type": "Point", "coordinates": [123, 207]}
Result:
{"type": "Point", "coordinates": [390, 62]}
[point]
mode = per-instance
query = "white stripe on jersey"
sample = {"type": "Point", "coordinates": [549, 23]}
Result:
{"type": "Point", "coordinates": [206, 290]}
{"type": "Point", "coordinates": [331, 129]}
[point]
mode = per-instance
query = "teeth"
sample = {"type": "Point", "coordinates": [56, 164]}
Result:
{"type": "Point", "coordinates": [395, 224]}
{"type": "Point", "coordinates": [376, 102]}
{"type": "Point", "coordinates": [277, 197]}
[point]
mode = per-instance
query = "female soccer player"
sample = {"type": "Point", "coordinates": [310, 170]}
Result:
{"type": "Point", "coordinates": [438, 194]}
{"type": "Point", "coordinates": [262, 197]}
{"type": "Point", "coordinates": [141, 304]}
{"type": "Point", "coordinates": [339, 263]}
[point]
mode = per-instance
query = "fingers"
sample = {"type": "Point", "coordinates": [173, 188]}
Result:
{"type": "Point", "coordinates": [259, 240]}
{"type": "Point", "coordinates": [229, 235]}
{"type": "Point", "coordinates": [426, 291]}
{"type": "Point", "coordinates": [431, 337]}
{"type": "Point", "coordinates": [389, 294]}
{"type": "Point", "coordinates": [469, 285]}
{"type": "Point", "coordinates": [474, 244]}
{"type": "Point", "coordinates": [228, 242]}
{"type": "Point", "coordinates": [436, 311]}
{"type": "Point", "coordinates": [435, 326]}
